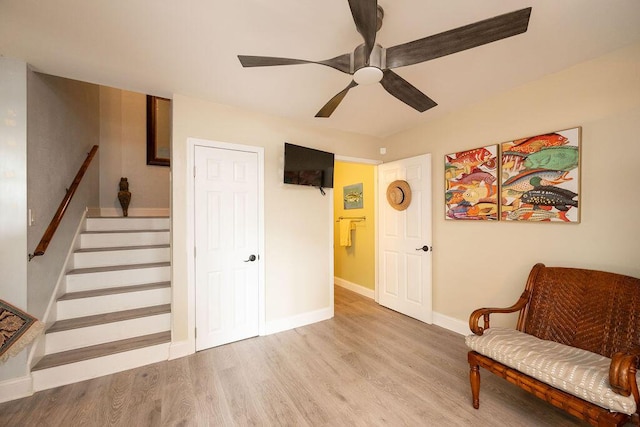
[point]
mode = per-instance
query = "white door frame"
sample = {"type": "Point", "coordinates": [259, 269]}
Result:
{"type": "Point", "coordinates": [190, 238]}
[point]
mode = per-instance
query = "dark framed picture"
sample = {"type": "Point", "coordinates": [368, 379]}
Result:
{"type": "Point", "coordinates": [158, 131]}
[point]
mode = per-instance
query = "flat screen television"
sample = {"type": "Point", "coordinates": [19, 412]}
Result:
{"type": "Point", "coordinates": [307, 166]}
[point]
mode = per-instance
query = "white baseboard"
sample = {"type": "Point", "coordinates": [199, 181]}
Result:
{"type": "Point", "coordinates": [303, 319]}
{"type": "Point", "coordinates": [163, 212]}
{"type": "Point", "coordinates": [180, 349]}
{"type": "Point", "coordinates": [451, 323]}
{"type": "Point", "coordinates": [354, 287]}
{"type": "Point", "coordinates": [16, 388]}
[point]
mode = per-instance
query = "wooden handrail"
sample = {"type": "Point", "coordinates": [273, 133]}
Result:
{"type": "Point", "coordinates": [57, 218]}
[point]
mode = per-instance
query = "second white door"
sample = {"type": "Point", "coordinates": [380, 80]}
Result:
{"type": "Point", "coordinates": [226, 245]}
{"type": "Point", "coordinates": [404, 255]}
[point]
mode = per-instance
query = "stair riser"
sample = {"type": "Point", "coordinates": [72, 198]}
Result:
{"type": "Point", "coordinates": [93, 368]}
{"type": "Point", "coordinates": [131, 223]}
{"type": "Point", "coordinates": [112, 240]}
{"type": "Point", "coordinates": [109, 279]}
{"type": "Point", "coordinates": [71, 309]}
{"type": "Point", "coordinates": [82, 337]}
{"type": "Point", "coordinates": [124, 257]}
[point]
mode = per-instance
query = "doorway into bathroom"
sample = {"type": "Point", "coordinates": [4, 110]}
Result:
{"type": "Point", "coordinates": [380, 251]}
{"type": "Point", "coordinates": [354, 212]}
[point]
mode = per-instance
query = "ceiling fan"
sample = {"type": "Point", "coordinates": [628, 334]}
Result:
{"type": "Point", "coordinates": [371, 63]}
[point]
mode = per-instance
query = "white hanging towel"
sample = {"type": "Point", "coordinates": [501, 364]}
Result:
{"type": "Point", "coordinates": [346, 225]}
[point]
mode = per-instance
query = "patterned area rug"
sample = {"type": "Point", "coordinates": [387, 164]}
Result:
{"type": "Point", "coordinates": [17, 330]}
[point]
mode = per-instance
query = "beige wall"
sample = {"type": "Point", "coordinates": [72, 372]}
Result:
{"type": "Point", "coordinates": [63, 124]}
{"type": "Point", "coordinates": [485, 264]}
{"type": "Point", "coordinates": [298, 220]}
{"type": "Point", "coordinates": [123, 151]}
{"type": "Point", "coordinates": [356, 263]}
{"type": "Point", "coordinates": [13, 197]}
{"type": "Point", "coordinates": [474, 264]}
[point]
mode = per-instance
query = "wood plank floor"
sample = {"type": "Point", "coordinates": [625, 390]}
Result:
{"type": "Point", "coordinates": [367, 366]}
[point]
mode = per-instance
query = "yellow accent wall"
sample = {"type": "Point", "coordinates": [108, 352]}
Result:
{"type": "Point", "coordinates": [355, 263]}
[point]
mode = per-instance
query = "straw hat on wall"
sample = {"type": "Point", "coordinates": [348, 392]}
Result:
{"type": "Point", "coordinates": [399, 195]}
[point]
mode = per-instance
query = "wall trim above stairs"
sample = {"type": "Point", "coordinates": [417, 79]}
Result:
{"type": "Point", "coordinates": [162, 212]}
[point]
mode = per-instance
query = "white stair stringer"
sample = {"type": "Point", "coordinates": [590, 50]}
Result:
{"type": "Point", "coordinates": [116, 312]}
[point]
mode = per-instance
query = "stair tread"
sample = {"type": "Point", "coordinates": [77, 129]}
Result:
{"type": "Point", "coordinates": [112, 291]}
{"type": "Point", "coordinates": [121, 248]}
{"type": "Point", "coordinates": [100, 319]}
{"type": "Point", "coordinates": [149, 230]}
{"type": "Point", "coordinates": [118, 267]}
{"type": "Point", "coordinates": [100, 350]}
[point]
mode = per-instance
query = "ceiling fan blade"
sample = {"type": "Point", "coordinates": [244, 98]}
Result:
{"type": "Point", "coordinates": [333, 103]}
{"type": "Point", "coordinates": [268, 61]}
{"type": "Point", "coordinates": [340, 63]}
{"type": "Point", "coordinates": [406, 92]}
{"type": "Point", "coordinates": [365, 16]}
{"type": "Point", "coordinates": [459, 39]}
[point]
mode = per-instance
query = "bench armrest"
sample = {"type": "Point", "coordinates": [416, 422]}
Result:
{"type": "Point", "coordinates": [622, 373]}
{"type": "Point", "coordinates": [484, 313]}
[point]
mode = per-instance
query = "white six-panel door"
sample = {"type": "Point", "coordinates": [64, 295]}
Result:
{"type": "Point", "coordinates": [226, 237]}
{"type": "Point", "coordinates": [404, 268]}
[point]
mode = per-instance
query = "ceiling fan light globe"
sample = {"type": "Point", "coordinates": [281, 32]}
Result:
{"type": "Point", "coordinates": [368, 75]}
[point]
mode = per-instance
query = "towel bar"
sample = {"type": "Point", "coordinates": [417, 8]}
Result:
{"type": "Point", "coordinates": [352, 218]}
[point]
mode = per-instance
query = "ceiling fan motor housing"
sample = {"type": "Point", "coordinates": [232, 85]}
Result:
{"type": "Point", "coordinates": [378, 58]}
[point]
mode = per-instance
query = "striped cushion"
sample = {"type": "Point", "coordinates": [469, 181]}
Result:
{"type": "Point", "coordinates": [578, 372]}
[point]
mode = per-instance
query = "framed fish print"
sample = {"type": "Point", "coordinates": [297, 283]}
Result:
{"type": "Point", "coordinates": [540, 178]}
{"type": "Point", "coordinates": [353, 196]}
{"type": "Point", "coordinates": [471, 181]}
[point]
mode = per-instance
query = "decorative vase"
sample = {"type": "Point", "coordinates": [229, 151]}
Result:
{"type": "Point", "coordinates": [124, 196]}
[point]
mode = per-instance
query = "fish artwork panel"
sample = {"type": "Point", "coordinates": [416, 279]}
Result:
{"type": "Point", "coordinates": [471, 184]}
{"type": "Point", "coordinates": [540, 178]}
{"type": "Point", "coordinates": [352, 196]}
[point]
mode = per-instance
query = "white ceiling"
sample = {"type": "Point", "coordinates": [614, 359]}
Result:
{"type": "Point", "coordinates": [189, 47]}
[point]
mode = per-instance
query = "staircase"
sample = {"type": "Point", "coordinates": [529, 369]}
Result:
{"type": "Point", "coordinates": [115, 313]}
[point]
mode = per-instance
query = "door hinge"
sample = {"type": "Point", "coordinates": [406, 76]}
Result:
{"type": "Point", "coordinates": [196, 332]}
{"type": "Point", "coordinates": [194, 171]}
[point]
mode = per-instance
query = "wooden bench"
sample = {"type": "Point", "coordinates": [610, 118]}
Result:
{"type": "Point", "coordinates": [576, 343]}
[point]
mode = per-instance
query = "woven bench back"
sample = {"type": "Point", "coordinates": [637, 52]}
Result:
{"type": "Point", "coordinates": [593, 310]}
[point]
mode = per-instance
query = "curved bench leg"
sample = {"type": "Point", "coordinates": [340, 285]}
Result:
{"type": "Point", "coordinates": [474, 377]}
